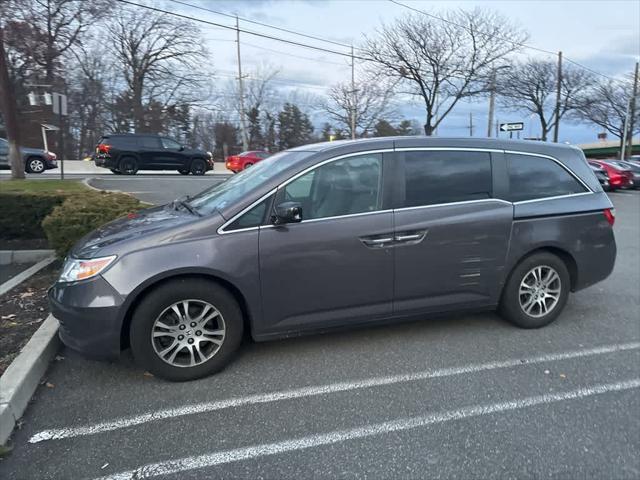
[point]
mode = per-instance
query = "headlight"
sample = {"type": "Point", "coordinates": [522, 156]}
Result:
{"type": "Point", "coordinates": [78, 269]}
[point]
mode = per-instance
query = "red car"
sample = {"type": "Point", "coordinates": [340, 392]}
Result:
{"type": "Point", "coordinates": [618, 177]}
{"type": "Point", "coordinates": [237, 163]}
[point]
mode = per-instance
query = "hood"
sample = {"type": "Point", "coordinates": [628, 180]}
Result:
{"type": "Point", "coordinates": [148, 227]}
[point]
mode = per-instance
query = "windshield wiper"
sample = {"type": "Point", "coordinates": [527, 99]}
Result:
{"type": "Point", "coordinates": [183, 202]}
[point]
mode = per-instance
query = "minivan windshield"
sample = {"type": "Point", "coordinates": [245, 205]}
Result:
{"type": "Point", "coordinates": [226, 193]}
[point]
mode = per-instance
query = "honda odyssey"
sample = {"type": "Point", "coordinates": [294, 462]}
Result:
{"type": "Point", "coordinates": [336, 235]}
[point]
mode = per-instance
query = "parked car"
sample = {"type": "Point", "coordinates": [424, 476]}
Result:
{"type": "Point", "coordinates": [35, 159]}
{"type": "Point", "coordinates": [237, 163]}
{"type": "Point", "coordinates": [602, 176]}
{"type": "Point", "coordinates": [335, 235]}
{"type": "Point", "coordinates": [635, 169]}
{"type": "Point", "coordinates": [619, 177]}
{"type": "Point", "coordinates": [128, 153]}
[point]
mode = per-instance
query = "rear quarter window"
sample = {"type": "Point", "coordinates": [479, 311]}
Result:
{"type": "Point", "coordinates": [532, 178]}
{"type": "Point", "coordinates": [123, 142]}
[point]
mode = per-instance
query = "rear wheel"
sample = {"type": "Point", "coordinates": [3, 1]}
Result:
{"type": "Point", "coordinates": [198, 167]}
{"type": "Point", "coordinates": [536, 292]}
{"type": "Point", "coordinates": [186, 329]}
{"type": "Point", "coordinates": [34, 165]}
{"type": "Point", "coordinates": [128, 166]}
{"type": "Point", "coordinates": [115, 172]}
{"type": "Point", "coordinates": [247, 165]}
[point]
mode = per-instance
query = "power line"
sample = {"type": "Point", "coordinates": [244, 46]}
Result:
{"type": "Point", "coordinates": [228, 27]}
{"type": "Point", "coordinates": [255, 22]}
{"type": "Point", "coordinates": [513, 42]}
{"type": "Point", "coordinates": [294, 56]}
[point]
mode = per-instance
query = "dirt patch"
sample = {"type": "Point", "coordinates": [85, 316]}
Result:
{"type": "Point", "coordinates": [22, 311]}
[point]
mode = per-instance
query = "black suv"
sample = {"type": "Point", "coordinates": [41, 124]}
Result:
{"type": "Point", "coordinates": [128, 153]}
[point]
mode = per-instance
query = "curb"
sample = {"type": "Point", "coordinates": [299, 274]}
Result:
{"type": "Point", "coordinates": [7, 257]}
{"type": "Point", "coordinates": [24, 275]}
{"type": "Point", "coordinates": [20, 380]}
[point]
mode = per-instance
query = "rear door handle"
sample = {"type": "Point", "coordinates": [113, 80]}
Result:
{"type": "Point", "coordinates": [402, 238]}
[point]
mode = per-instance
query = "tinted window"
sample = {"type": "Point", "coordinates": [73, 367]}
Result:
{"type": "Point", "coordinates": [121, 141]}
{"type": "Point", "coordinates": [149, 142]}
{"type": "Point", "coordinates": [252, 218]}
{"type": "Point", "coordinates": [338, 188]}
{"type": "Point", "coordinates": [170, 144]}
{"type": "Point", "coordinates": [443, 177]}
{"type": "Point", "coordinates": [537, 177]}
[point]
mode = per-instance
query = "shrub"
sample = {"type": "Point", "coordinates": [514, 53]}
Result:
{"type": "Point", "coordinates": [23, 212]}
{"type": "Point", "coordinates": [80, 214]}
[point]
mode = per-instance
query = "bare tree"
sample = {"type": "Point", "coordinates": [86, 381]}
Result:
{"type": "Point", "coordinates": [60, 25]}
{"type": "Point", "coordinates": [159, 59]}
{"type": "Point", "coordinates": [8, 110]}
{"type": "Point", "coordinates": [443, 61]}
{"type": "Point", "coordinates": [605, 104]}
{"type": "Point", "coordinates": [531, 86]}
{"type": "Point", "coordinates": [370, 102]}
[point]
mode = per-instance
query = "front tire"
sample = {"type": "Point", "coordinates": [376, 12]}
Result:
{"type": "Point", "coordinates": [198, 167]}
{"type": "Point", "coordinates": [536, 291]}
{"type": "Point", "coordinates": [34, 165]}
{"type": "Point", "coordinates": [186, 329]}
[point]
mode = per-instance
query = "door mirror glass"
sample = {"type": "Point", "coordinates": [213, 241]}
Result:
{"type": "Point", "coordinates": [287, 212]}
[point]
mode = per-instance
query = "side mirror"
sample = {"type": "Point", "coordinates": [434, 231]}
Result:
{"type": "Point", "coordinates": [287, 212]}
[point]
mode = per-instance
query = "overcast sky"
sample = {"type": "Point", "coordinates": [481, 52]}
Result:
{"type": "Point", "coordinates": [601, 34]}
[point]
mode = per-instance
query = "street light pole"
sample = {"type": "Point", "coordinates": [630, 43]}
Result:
{"type": "Point", "coordinates": [492, 101]}
{"type": "Point", "coordinates": [354, 98]}
{"type": "Point", "coordinates": [558, 94]}
{"type": "Point", "coordinates": [243, 127]}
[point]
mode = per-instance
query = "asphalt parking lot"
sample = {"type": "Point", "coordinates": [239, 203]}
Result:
{"type": "Point", "coordinates": [466, 396]}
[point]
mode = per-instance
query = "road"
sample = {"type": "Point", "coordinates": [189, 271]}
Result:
{"type": "Point", "coordinates": [466, 396]}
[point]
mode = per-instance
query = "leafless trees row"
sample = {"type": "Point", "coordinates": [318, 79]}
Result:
{"type": "Point", "coordinates": [126, 68]}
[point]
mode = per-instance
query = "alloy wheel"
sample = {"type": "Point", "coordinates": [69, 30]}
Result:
{"type": "Point", "coordinates": [539, 291]}
{"type": "Point", "coordinates": [36, 165]}
{"type": "Point", "coordinates": [188, 333]}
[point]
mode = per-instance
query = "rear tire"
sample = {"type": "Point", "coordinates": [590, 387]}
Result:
{"type": "Point", "coordinates": [156, 326]}
{"type": "Point", "coordinates": [198, 166]}
{"type": "Point", "coordinates": [115, 172]}
{"type": "Point", "coordinates": [536, 291]}
{"type": "Point", "coordinates": [34, 165]}
{"type": "Point", "coordinates": [128, 166]}
{"type": "Point", "coordinates": [247, 165]}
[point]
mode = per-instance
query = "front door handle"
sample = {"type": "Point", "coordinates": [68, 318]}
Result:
{"type": "Point", "coordinates": [376, 242]}
{"type": "Point", "coordinates": [410, 237]}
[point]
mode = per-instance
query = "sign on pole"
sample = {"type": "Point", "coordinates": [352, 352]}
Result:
{"type": "Point", "coordinates": [511, 127]}
{"type": "Point", "coordinates": [60, 104]}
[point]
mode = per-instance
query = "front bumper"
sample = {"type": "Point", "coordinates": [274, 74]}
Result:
{"type": "Point", "coordinates": [90, 316]}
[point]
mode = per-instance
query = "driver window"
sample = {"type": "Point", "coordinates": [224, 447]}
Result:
{"type": "Point", "coordinates": [343, 187]}
{"type": "Point", "coordinates": [169, 144]}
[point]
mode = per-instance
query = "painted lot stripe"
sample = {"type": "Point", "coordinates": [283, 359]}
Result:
{"type": "Point", "coordinates": [301, 443]}
{"type": "Point", "coordinates": [69, 432]}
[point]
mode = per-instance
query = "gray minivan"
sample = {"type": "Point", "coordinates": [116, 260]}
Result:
{"type": "Point", "coordinates": [336, 235]}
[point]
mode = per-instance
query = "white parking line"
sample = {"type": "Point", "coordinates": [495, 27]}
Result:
{"type": "Point", "coordinates": [69, 432]}
{"type": "Point", "coordinates": [301, 443]}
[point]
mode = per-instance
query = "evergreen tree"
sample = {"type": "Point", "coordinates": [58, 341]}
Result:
{"type": "Point", "coordinates": [295, 128]}
{"type": "Point", "coordinates": [384, 129]}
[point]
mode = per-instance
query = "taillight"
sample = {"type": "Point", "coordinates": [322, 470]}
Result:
{"type": "Point", "coordinates": [610, 214]}
{"type": "Point", "coordinates": [104, 148]}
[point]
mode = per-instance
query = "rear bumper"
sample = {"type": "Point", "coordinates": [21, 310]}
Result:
{"type": "Point", "coordinates": [89, 313]}
{"type": "Point", "coordinates": [105, 162]}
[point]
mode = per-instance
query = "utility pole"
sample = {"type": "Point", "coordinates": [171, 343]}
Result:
{"type": "Point", "coordinates": [632, 112]}
{"type": "Point", "coordinates": [471, 124]}
{"type": "Point", "coordinates": [558, 93]}
{"type": "Point", "coordinates": [623, 140]}
{"type": "Point", "coordinates": [243, 126]}
{"type": "Point", "coordinates": [8, 109]}
{"type": "Point", "coordinates": [354, 96]}
{"type": "Point", "coordinates": [492, 101]}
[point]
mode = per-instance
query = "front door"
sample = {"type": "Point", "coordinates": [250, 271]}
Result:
{"type": "Point", "coordinates": [335, 267]}
{"type": "Point", "coordinates": [452, 236]}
